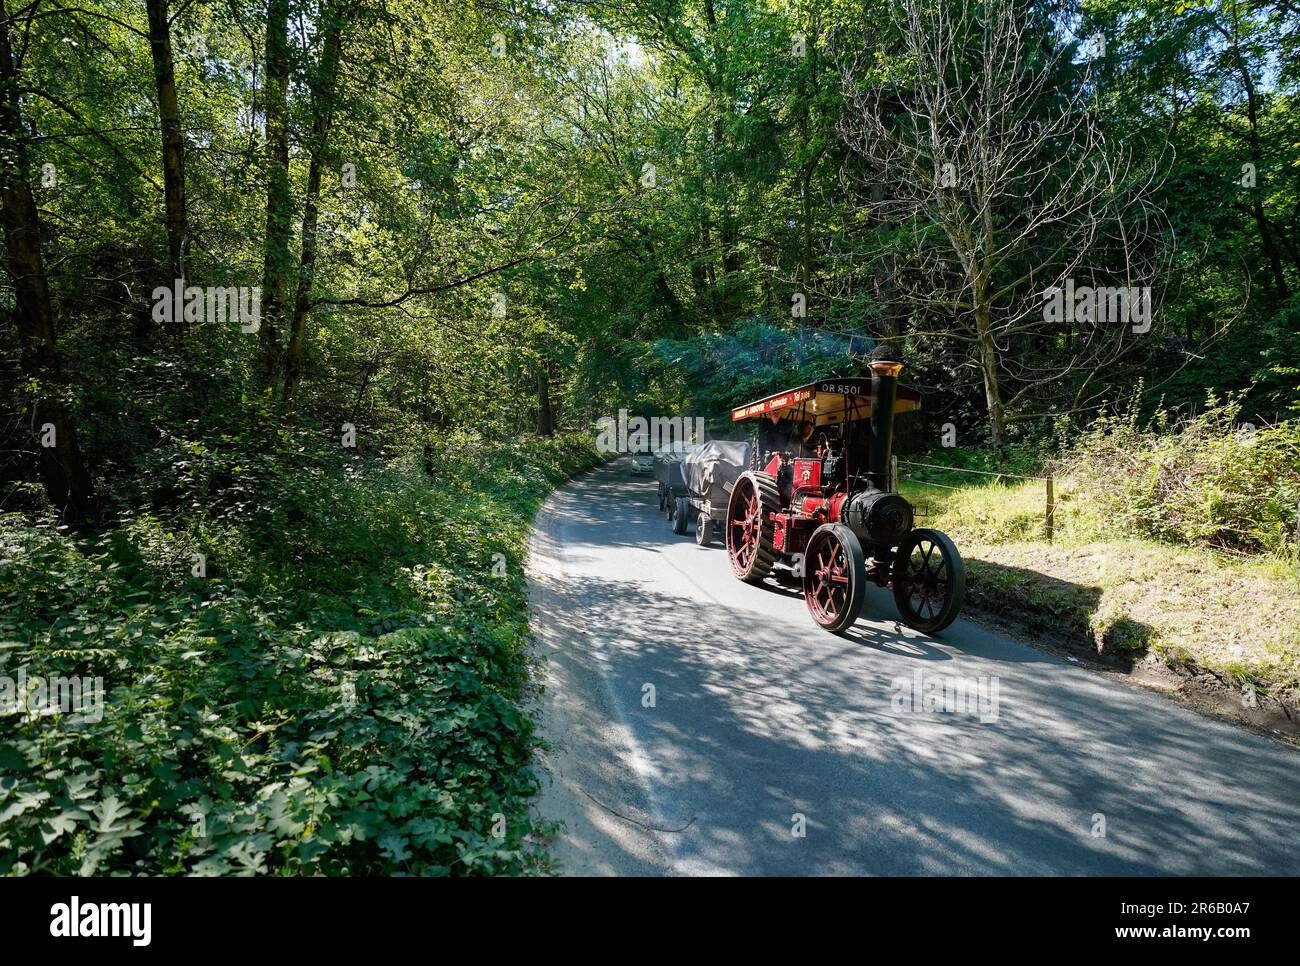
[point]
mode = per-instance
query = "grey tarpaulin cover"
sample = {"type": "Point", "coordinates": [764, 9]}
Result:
{"type": "Point", "coordinates": [710, 465]}
{"type": "Point", "coordinates": [669, 472]}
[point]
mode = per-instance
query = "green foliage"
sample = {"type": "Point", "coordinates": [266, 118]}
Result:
{"type": "Point", "coordinates": [755, 357]}
{"type": "Point", "coordinates": [1206, 481]}
{"type": "Point", "coordinates": [501, 255]}
{"type": "Point", "coordinates": [1016, 460]}
{"type": "Point", "coordinates": [1109, 581]}
{"type": "Point", "coordinates": [339, 695]}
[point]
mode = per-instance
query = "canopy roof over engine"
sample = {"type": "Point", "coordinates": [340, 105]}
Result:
{"type": "Point", "coordinates": [826, 402]}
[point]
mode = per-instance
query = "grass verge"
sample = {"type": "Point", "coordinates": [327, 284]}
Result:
{"type": "Point", "coordinates": [1125, 597]}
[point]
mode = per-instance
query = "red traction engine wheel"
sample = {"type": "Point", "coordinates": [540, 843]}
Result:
{"type": "Point", "coordinates": [834, 577]}
{"type": "Point", "coordinates": [749, 526]}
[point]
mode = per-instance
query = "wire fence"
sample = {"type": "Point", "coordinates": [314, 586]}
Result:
{"type": "Point", "coordinates": [1050, 521]}
{"type": "Point", "coordinates": [1049, 484]}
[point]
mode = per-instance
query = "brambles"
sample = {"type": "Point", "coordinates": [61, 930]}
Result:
{"type": "Point", "coordinates": [1208, 480]}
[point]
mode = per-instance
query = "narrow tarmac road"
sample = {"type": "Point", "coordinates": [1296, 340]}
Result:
{"type": "Point", "coordinates": [698, 725]}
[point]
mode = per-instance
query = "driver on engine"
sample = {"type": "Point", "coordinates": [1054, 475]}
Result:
{"type": "Point", "coordinates": [778, 435]}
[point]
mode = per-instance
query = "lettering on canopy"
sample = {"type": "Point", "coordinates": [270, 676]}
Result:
{"type": "Point", "coordinates": [768, 405]}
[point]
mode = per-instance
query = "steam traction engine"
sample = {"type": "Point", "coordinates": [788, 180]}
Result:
{"type": "Point", "coordinates": [818, 500]}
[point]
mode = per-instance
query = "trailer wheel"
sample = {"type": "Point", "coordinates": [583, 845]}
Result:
{"type": "Point", "coordinates": [834, 577]}
{"type": "Point", "coordinates": [929, 580]}
{"type": "Point", "coordinates": [682, 517]}
{"type": "Point", "coordinates": [750, 527]}
{"type": "Point", "coordinates": [703, 529]}
{"type": "Point", "coordinates": [669, 506]}
{"type": "Point", "coordinates": [661, 498]}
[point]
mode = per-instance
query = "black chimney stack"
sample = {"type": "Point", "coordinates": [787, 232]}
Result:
{"type": "Point", "coordinates": [886, 364]}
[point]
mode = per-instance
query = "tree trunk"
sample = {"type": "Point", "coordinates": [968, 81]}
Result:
{"type": "Point", "coordinates": [545, 420]}
{"type": "Point", "coordinates": [435, 420]}
{"type": "Point", "coordinates": [67, 483]}
{"type": "Point", "coordinates": [728, 281]}
{"type": "Point", "coordinates": [727, 300]}
{"type": "Point", "coordinates": [1271, 254]}
{"type": "Point", "coordinates": [667, 297]}
{"type": "Point", "coordinates": [988, 362]}
{"type": "Point", "coordinates": [173, 146]}
{"type": "Point", "coordinates": [808, 79]}
{"type": "Point", "coordinates": [698, 253]}
{"type": "Point", "coordinates": [322, 119]}
{"type": "Point", "coordinates": [710, 268]}
{"type": "Point", "coordinates": [276, 263]}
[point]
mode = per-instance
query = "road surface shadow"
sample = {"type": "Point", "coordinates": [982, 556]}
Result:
{"type": "Point", "coordinates": [747, 721]}
{"type": "Point", "coordinates": [1065, 610]}
{"type": "Point", "coordinates": [1072, 606]}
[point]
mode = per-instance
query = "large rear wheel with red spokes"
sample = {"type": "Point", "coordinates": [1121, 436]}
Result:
{"type": "Point", "coordinates": [929, 580]}
{"type": "Point", "coordinates": [749, 526]}
{"type": "Point", "coordinates": [834, 577]}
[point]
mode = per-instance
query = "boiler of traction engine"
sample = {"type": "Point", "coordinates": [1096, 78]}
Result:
{"type": "Point", "coordinates": [877, 516]}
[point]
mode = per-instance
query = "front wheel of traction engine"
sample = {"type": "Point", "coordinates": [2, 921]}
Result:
{"type": "Point", "coordinates": [929, 580]}
{"type": "Point", "coordinates": [749, 526]}
{"type": "Point", "coordinates": [834, 577]}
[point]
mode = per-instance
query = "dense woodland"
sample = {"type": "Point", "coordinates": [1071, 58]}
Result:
{"type": "Point", "coordinates": [456, 229]}
{"type": "Point", "coordinates": [513, 217]}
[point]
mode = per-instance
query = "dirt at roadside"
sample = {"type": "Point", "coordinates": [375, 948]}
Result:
{"type": "Point", "coordinates": [1204, 691]}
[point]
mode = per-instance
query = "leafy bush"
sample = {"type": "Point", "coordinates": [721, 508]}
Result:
{"type": "Point", "coordinates": [338, 694]}
{"type": "Point", "coordinates": [753, 358]}
{"type": "Point", "coordinates": [1207, 481]}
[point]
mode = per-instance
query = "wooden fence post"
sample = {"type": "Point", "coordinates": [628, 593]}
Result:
{"type": "Point", "coordinates": [1051, 510]}
{"type": "Point", "coordinates": [893, 473]}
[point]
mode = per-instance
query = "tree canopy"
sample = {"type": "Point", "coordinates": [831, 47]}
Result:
{"type": "Point", "coordinates": [514, 216]}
